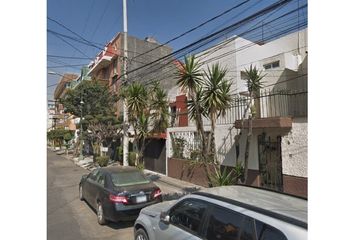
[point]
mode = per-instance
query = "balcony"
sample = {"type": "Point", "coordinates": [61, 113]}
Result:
{"type": "Point", "coordinates": [102, 60]}
{"type": "Point", "coordinates": [273, 109]}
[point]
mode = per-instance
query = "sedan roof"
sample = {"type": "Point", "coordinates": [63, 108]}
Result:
{"type": "Point", "coordinates": [278, 203]}
{"type": "Point", "coordinates": [117, 169]}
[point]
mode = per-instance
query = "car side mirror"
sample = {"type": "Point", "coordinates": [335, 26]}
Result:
{"type": "Point", "coordinates": [164, 217]}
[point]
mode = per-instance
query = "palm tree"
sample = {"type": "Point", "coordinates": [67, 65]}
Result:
{"type": "Point", "coordinates": [158, 109]}
{"type": "Point", "coordinates": [190, 78]}
{"type": "Point", "coordinates": [137, 101]}
{"type": "Point", "coordinates": [216, 98]}
{"type": "Point", "coordinates": [254, 84]}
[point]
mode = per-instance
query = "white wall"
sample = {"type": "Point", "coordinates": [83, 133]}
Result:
{"type": "Point", "coordinates": [285, 49]}
{"type": "Point", "coordinates": [294, 149]}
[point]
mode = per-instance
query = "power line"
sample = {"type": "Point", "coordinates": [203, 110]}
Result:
{"type": "Point", "coordinates": [212, 37]}
{"type": "Point", "coordinates": [248, 31]}
{"type": "Point", "coordinates": [68, 57]}
{"type": "Point", "coordinates": [196, 27]}
{"type": "Point", "coordinates": [71, 45]}
{"type": "Point", "coordinates": [69, 65]}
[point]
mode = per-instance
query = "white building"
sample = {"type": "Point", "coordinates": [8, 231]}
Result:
{"type": "Point", "coordinates": [278, 149]}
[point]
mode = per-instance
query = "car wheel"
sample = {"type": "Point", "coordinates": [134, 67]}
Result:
{"type": "Point", "coordinates": [140, 234]}
{"type": "Point", "coordinates": [81, 196]}
{"type": "Point", "coordinates": [100, 217]}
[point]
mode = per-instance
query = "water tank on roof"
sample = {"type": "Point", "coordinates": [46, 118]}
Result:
{"type": "Point", "coordinates": [150, 39]}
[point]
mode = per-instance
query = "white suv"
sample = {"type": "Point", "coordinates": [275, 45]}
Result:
{"type": "Point", "coordinates": [228, 213]}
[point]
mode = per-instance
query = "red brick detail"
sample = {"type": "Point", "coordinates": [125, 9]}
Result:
{"type": "Point", "coordinates": [182, 111]}
{"type": "Point", "coordinates": [295, 185]}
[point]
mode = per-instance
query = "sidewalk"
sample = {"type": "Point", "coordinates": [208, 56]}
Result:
{"type": "Point", "coordinates": [190, 187]}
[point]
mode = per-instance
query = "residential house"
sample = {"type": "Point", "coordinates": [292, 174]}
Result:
{"type": "Point", "coordinates": [50, 113]}
{"type": "Point", "coordinates": [278, 148]}
{"type": "Point", "coordinates": [108, 64]}
{"type": "Point", "coordinates": [63, 120]}
{"type": "Point", "coordinates": [108, 68]}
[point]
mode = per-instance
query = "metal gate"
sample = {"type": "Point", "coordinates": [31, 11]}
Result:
{"type": "Point", "coordinates": [270, 162]}
{"type": "Point", "coordinates": [155, 155]}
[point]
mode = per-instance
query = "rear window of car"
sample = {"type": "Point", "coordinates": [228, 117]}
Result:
{"type": "Point", "coordinates": [121, 179]}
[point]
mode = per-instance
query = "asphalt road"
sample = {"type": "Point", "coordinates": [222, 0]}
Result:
{"type": "Point", "coordinates": [68, 217]}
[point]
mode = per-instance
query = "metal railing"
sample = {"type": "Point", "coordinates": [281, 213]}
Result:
{"type": "Point", "coordinates": [284, 103]}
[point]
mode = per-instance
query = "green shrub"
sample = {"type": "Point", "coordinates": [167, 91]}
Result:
{"type": "Point", "coordinates": [140, 166]}
{"type": "Point", "coordinates": [102, 161]}
{"type": "Point", "coordinates": [239, 172]}
{"type": "Point", "coordinates": [178, 145]}
{"type": "Point", "coordinates": [131, 158]}
{"type": "Point", "coordinates": [120, 153]}
{"type": "Point", "coordinates": [195, 155]}
{"type": "Point", "coordinates": [222, 177]}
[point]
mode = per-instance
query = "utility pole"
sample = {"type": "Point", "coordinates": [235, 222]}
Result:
{"type": "Point", "coordinates": [81, 156]}
{"type": "Point", "coordinates": [125, 77]}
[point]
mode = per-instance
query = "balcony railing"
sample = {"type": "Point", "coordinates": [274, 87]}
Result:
{"type": "Point", "coordinates": [269, 104]}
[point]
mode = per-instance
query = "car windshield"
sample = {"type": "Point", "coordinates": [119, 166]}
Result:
{"type": "Point", "coordinates": [128, 178]}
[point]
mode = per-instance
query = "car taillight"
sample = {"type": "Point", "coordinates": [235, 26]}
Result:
{"type": "Point", "coordinates": [118, 199]}
{"type": "Point", "coordinates": [157, 193]}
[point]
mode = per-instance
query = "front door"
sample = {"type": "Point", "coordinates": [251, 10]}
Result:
{"type": "Point", "coordinates": [270, 162]}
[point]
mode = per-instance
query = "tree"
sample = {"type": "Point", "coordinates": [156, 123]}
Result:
{"type": "Point", "coordinates": [101, 131]}
{"type": "Point", "coordinates": [96, 97]}
{"type": "Point", "coordinates": [158, 108]}
{"type": "Point", "coordinates": [60, 135]}
{"type": "Point", "coordinates": [215, 98]}
{"type": "Point", "coordinates": [99, 121]}
{"type": "Point", "coordinates": [254, 84]}
{"type": "Point", "coordinates": [136, 97]}
{"type": "Point", "coordinates": [148, 113]}
{"type": "Point", "coordinates": [190, 78]}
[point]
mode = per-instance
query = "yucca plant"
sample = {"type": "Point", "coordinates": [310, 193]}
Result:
{"type": "Point", "coordinates": [254, 84]}
{"type": "Point", "coordinates": [215, 98]}
{"type": "Point", "coordinates": [190, 77]}
{"type": "Point", "coordinates": [222, 177]}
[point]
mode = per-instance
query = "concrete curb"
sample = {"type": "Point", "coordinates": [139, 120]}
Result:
{"type": "Point", "coordinates": [173, 181]}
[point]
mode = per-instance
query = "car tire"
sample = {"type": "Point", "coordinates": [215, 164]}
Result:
{"type": "Point", "coordinates": [81, 196]}
{"type": "Point", "coordinates": [140, 234]}
{"type": "Point", "coordinates": [100, 216]}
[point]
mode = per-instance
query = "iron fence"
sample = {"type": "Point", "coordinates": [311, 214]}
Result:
{"type": "Point", "coordinates": [281, 103]}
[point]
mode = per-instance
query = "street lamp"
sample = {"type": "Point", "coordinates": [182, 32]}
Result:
{"type": "Point", "coordinates": [81, 157]}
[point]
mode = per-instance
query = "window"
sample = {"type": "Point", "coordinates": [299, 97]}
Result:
{"type": "Point", "coordinates": [271, 65]}
{"type": "Point", "coordinates": [100, 178]}
{"type": "Point", "coordinates": [248, 229]}
{"type": "Point", "coordinates": [128, 178]}
{"type": "Point", "coordinates": [224, 224]}
{"type": "Point", "coordinates": [115, 66]}
{"type": "Point", "coordinates": [93, 174]}
{"type": "Point", "coordinates": [267, 232]}
{"type": "Point", "coordinates": [188, 215]}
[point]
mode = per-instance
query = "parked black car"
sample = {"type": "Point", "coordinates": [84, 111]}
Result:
{"type": "Point", "coordinates": [118, 193]}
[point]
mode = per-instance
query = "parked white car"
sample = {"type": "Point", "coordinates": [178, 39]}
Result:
{"type": "Point", "coordinates": [225, 213]}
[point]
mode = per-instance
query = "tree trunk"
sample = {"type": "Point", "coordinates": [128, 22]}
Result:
{"type": "Point", "coordinates": [248, 142]}
{"type": "Point", "coordinates": [208, 173]}
{"type": "Point", "coordinates": [211, 139]}
{"type": "Point", "coordinates": [238, 137]}
{"type": "Point", "coordinates": [247, 149]}
{"type": "Point", "coordinates": [200, 127]}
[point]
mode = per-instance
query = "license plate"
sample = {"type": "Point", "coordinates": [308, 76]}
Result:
{"type": "Point", "coordinates": [140, 199]}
